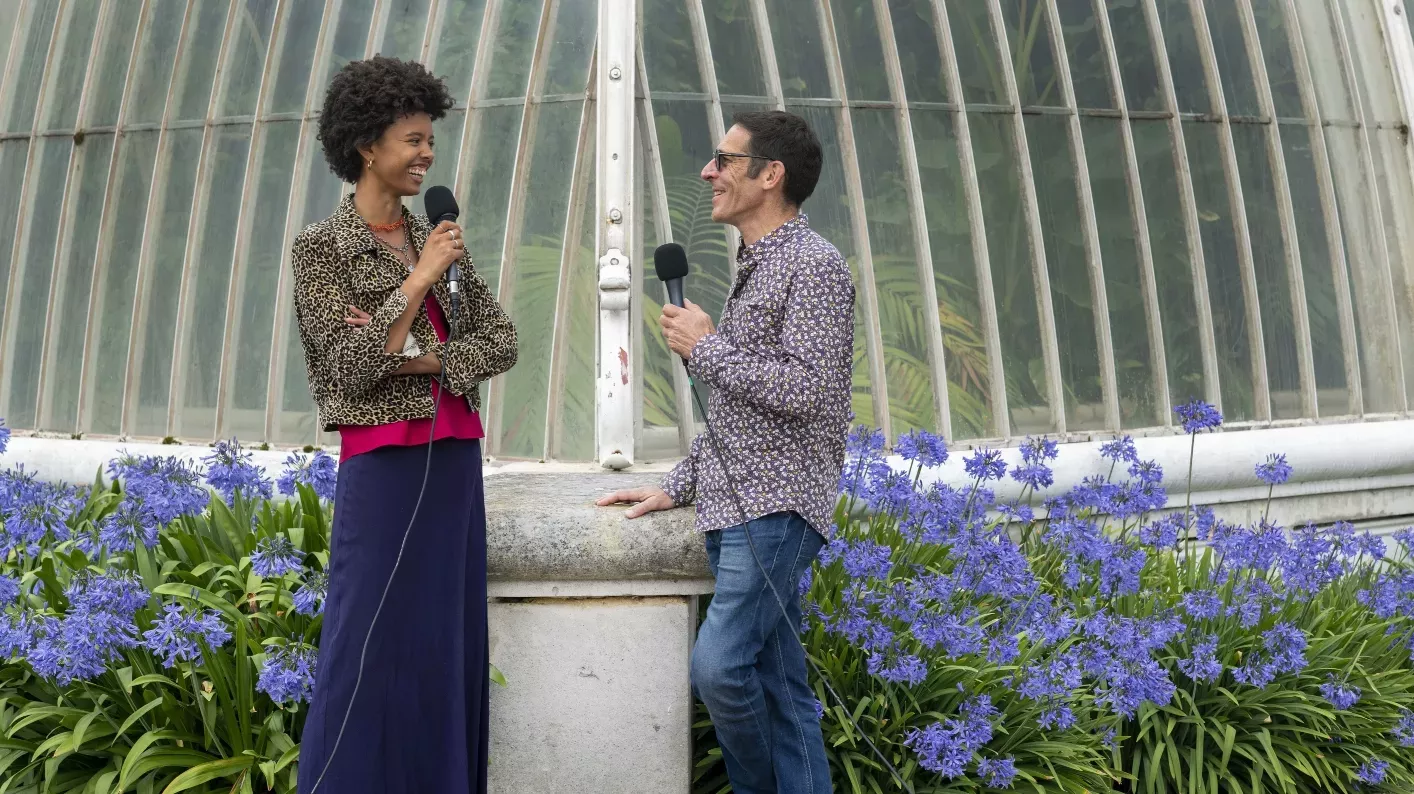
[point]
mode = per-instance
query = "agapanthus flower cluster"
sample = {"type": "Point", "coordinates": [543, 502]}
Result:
{"type": "Point", "coordinates": [1198, 416]}
{"type": "Point", "coordinates": [33, 513]}
{"type": "Point", "coordinates": [275, 556]}
{"type": "Point", "coordinates": [309, 600]}
{"type": "Point", "coordinates": [1274, 470]}
{"type": "Point", "coordinates": [287, 675]}
{"type": "Point", "coordinates": [318, 471]}
{"type": "Point", "coordinates": [948, 747]}
{"type": "Point", "coordinates": [97, 628]}
{"type": "Point", "coordinates": [160, 489]}
{"type": "Point", "coordinates": [177, 635]}
{"type": "Point", "coordinates": [230, 471]}
{"type": "Point", "coordinates": [4, 437]}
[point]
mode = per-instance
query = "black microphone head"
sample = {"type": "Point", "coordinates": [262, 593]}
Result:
{"type": "Point", "coordinates": [670, 261]}
{"type": "Point", "coordinates": [441, 204]}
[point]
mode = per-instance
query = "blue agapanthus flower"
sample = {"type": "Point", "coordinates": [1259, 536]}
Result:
{"type": "Point", "coordinates": [177, 635]}
{"type": "Point", "coordinates": [1341, 694]}
{"type": "Point", "coordinates": [1036, 476]}
{"type": "Point", "coordinates": [1403, 731]}
{"type": "Point", "coordinates": [275, 556]}
{"type": "Point", "coordinates": [1121, 450]}
{"type": "Point", "coordinates": [1372, 771]}
{"type": "Point", "coordinates": [923, 448]}
{"type": "Point", "coordinates": [4, 437]}
{"type": "Point", "coordinates": [124, 528]}
{"type": "Point", "coordinates": [1274, 470]}
{"type": "Point", "coordinates": [33, 513]}
{"type": "Point", "coordinates": [1039, 450]}
{"type": "Point", "coordinates": [898, 668]}
{"type": "Point", "coordinates": [229, 470]}
{"type": "Point", "coordinates": [997, 772]}
{"type": "Point", "coordinates": [947, 747]}
{"type": "Point", "coordinates": [1203, 665]}
{"type": "Point", "coordinates": [1198, 416]}
{"type": "Point", "coordinates": [288, 675]}
{"type": "Point", "coordinates": [310, 598]}
{"type": "Point", "coordinates": [985, 464]}
{"type": "Point", "coordinates": [164, 488]}
{"type": "Point", "coordinates": [96, 630]}
{"type": "Point", "coordinates": [319, 472]}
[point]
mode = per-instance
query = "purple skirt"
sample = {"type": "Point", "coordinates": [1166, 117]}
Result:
{"type": "Point", "coordinates": [419, 720]}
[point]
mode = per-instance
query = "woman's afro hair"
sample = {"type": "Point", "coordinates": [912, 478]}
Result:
{"type": "Point", "coordinates": [365, 98]}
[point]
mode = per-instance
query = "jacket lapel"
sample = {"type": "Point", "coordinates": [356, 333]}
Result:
{"type": "Point", "coordinates": [371, 269]}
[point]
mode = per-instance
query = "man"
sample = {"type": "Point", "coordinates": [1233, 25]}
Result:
{"type": "Point", "coordinates": [779, 368]}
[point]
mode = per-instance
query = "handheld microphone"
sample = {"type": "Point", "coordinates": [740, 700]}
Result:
{"type": "Point", "coordinates": [671, 263]}
{"type": "Point", "coordinates": [441, 206]}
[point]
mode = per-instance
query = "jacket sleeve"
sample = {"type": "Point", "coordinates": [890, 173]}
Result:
{"type": "Point", "coordinates": [346, 358]}
{"type": "Point", "coordinates": [680, 484]}
{"type": "Point", "coordinates": [486, 346]}
{"type": "Point", "coordinates": [813, 359]}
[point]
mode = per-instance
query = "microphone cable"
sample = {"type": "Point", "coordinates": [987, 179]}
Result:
{"type": "Point", "coordinates": [426, 471]}
{"type": "Point", "coordinates": [780, 602]}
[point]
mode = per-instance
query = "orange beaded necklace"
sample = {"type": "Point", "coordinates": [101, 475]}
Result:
{"type": "Point", "coordinates": [386, 227]}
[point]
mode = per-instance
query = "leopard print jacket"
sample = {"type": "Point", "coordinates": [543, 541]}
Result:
{"type": "Point", "coordinates": [338, 263]}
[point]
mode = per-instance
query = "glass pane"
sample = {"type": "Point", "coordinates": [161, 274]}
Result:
{"type": "Point", "coordinates": [1173, 269]}
{"type": "Point", "coordinates": [257, 298]}
{"type": "Point", "coordinates": [978, 61]}
{"type": "Point", "coordinates": [1376, 328]}
{"type": "Point", "coordinates": [13, 156]}
{"type": "Point", "coordinates": [685, 146]}
{"type": "Point", "coordinates": [896, 273]}
{"type": "Point", "coordinates": [828, 211]}
{"type": "Point", "coordinates": [917, 39]}
{"type": "Point", "coordinates": [1029, 33]}
{"type": "Point", "coordinates": [249, 42]}
{"type": "Point", "coordinates": [575, 26]}
{"type": "Point", "coordinates": [298, 37]}
{"type": "Point", "coordinates": [1269, 256]}
{"type": "Point", "coordinates": [323, 191]}
{"type": "Point", "coordinates": [68, 67]}
{"type": "Point", "coordinates": [1276, 53]}
{"type": "Point", "coordinates": [574, 425]}
{"type": "Point", "coordinates": [515, 46]}
{"type": "Point", "coordinates": [485, 197]}
{"type": "Point", "coordinates": [531, 303]}
{"type": "Point", "coordinates": [736, 53]}
{"type": "Point", "coordinates": [954, 274]}
{"type": "Point", "coordinates": [861, 52]}
{"type": "Point", "coordinates": [1185, 63]}
{"type": "Point", "coordinates": [156, 56]}
{"type": "Point", "coordinates": [1015, 289]}
{"type": "Point", "coordinates": [30, 305]}
{"type": "Point", "coordinates": [1220, 257]}
{"type": "Point", "coordinates": [659, 405]}
{"type": "Point", "coordinates": [1317, 270]}
{"type": "Point", "coordinates": [297, 421]}
{"type": "Point", "coordinates": [350, 42]}
{"type": "Point", "coordinates": [456, 45]}
{"type": "Point", "coordinates": [795, 26]}
{"type": "Point", "coordinates": [167, 257]}
{"type": "Point", "coordinates": [1225, 25]}
{"type": "Point", "coordinates": [1376, 80]}
{"type": "Point", "coordinates": [28, 75]}
{"type": "Point", "coordinates": [1069, 271]}
{"type": "Point", "coordinates": [407, 23]}
{"type": "Point", "coordinates": [197, 70]}
{"type": "Point", "coordinates": [74, 283]}
{"type": "Point", "coordinates": [9, 20]}
{"type": "Point", "coordinates": [1396, 197]}
{"type": "Point", "coordinates": [112, 320]}
{"type": "Point", "coordinates": [1089, 68]}
{"type": "Point", "coordinates": [204, 323]}
{"type": "Point", "coordinates": [1137, 68]}
{"type": "Point", "coordinates": [1124, 286]}
{"type": "Point", "coordinates": [447, 139]}
{"type": "Point", "coordinates": [111, 74]}
{"type": "Point", "coordinates": [1328, 69]}
{"type": "Point", "coordinates": [668, 52]}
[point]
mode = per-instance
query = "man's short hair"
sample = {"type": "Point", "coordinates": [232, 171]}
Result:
{"type": "Point", "coordinates": [788, 138]}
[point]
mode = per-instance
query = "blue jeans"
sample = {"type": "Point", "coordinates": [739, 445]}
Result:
{"type": "Point", "coordinates": [748, 665]}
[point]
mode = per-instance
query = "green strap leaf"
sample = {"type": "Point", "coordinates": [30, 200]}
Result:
{"type": "Point", "coordinates": [209, 771]}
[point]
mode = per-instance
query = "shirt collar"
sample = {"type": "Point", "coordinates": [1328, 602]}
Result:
{"type": "Point", "coordinates": [778, 237]}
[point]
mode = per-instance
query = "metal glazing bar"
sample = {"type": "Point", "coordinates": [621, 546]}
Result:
{"type": "Point", "coordinates": [427, 53]}
{"type": "Point", "coordinates": [615, 162]}
{"type": "Point", "coordinates": [854, 191]}
{"type": "Point", "coordinates": [922, 244]}
{"type": "Point", "coordinates": [137, 337]}
{"type": "Point", "coordinates": [382, 9]}
{"type": "Point", "coordinates": [476, 91]}
{"type": "Point", "coordinates": [1286, 211]}
{"type": "Point", "coordinates": [106, 231]}
{"type": "Point", "coordinates": [245, 220]}
{"type": "Point", "coordinates": [658, 195]}
{"type": "Point", "coordinates": [1364, 140]}
{"type": "Point", "coordinates": [636, 286]}
{"type": "Point", "coordinates": [7, 87]}
{"type": "Point", "coordinates": [67, 226]}
{"type": "Point", "coordinates": [294, 220]}
{"type": "Point", "coordinates": [765, 45]}
{"type": "Point", "coordinates": [972, 191]}
{"type": "Point", "coordinates": [10, 309]}
{"type": "Point", "coordinates": [516, 207]}
{"type": "Point", "coordinates": [196, 228]}
{"type": "Point", "coordinates": [1187, 200]}
{"type": "Point", "coordinates": [1050, 346]}
{"type": "Point", "coordinates": [569, 259]}
{"type": "Point", "coordinates": [1090, 232]}
{"type": "Point", "coordinates": [1345, 310]}
{"type": "Point", "coordinates": [1261, 391]}
{"type": "Point", "coordinates": [716, 121]}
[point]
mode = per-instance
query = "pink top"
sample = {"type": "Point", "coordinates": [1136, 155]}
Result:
{"type": "Point", "coordinates": [455, 419]}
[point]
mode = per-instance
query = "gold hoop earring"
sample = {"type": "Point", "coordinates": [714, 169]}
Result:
{"type": "Point", "coordinates": [370, 163]}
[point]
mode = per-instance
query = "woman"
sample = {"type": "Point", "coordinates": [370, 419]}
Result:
{"type": "Point", "coordinates": [389, 374]}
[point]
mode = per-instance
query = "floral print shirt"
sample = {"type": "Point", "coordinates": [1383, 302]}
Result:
{"type": "Point", "coordinates": [779, 371]}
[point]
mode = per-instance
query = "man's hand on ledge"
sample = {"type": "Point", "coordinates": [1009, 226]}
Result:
{"type": "Point", "coordinates": [644, 500]}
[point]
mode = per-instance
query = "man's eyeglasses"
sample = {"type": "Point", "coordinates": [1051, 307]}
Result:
{"type": "Point", "coordinates": [721, 157]}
